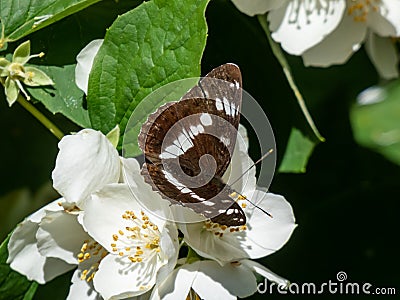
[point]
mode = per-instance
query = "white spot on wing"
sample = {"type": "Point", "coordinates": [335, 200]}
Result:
{"type": "Point", "coordinates": [205, 119]}
{"type": "Point", "coordinates": [195, 196]}
{"type": "Point", "coordinates": [227, 106]}
{"type": "Point", "coordinates": [200, 128]}
{"type": "Point", "coordinates": [194, 130]}
{"type": "Point", "coordinates": [173, 180]}
{"type": "Point", "coordinates": [226, 141]}
{"type": "Point", "coordinates": [185, 142]}
{"type": "Point", "coordinates": [185, 190]}
{"type": "Point", "coordinates": [218, 104]}
{"type": "Point", "coordinates": [171, 151]}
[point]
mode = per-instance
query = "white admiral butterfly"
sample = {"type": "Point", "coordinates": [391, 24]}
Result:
{"type": "Point", "coordinates": [188, 146]}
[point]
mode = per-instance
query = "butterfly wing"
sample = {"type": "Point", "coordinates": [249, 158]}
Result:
{"type": "Point", "coordinates": [188, 145]}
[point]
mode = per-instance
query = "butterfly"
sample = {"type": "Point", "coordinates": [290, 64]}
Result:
{"type": "Point", "coordinates": [188, 145]}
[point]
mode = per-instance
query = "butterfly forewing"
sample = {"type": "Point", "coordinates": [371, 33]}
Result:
{"type": "Point", "coordinates": [188, 146]}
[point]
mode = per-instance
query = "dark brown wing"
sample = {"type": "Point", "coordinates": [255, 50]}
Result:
{"type": "Point", "coordinates": [188, 145]}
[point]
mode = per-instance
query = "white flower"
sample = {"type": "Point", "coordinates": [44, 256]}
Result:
{"type": "Point", "coordinates": [53, 241]}
{"type": "Point", "coordinates": [49, 243]}
{"type": "Point", "coordinates": [372, 20]}
{"type": "Point", "coordinates": [327, 32]}
{"type": "Point", "coordinates": [261, 236]}
{"type": "Point", "coordinates": [297, 24]}
{"type": "Point", "coordinates": [140, 243]}
{"type": "Point", "coordinates": [84, 64]}
{"type": "Point", "coordinates": [25, 256]}
{"type": "Point", "coordinates": [62, 236]}
{"type": "Point", "coordinates": [86, 162]}
{"type": "Point", "coordinates": [210, 281]}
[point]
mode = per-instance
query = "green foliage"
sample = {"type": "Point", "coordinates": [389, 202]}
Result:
{"type": "Point", "coordinates": [64, 97]}
{"type": "Point", "coordinates": [162, 41]}
{"type": "Point", "coordinates": [20, 18]}
{"type": "Point", "coordinates": [376, 124]}
{"type": "Point", "coordinates": [158, 42]}
{"type": "Point", "coordinates": [12, 284]}
{"type": "Point", "coordinates": [298, 151]}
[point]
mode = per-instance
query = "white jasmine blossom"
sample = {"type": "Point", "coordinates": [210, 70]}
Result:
{"type": "Point", "coordinates": [372, 22]}
{"type": "Point", "coordinates": [328, 32]}
{"type": "Point", "coordinates": [24, 255]}
{"type": "Point", "coordinates": [139, 243]}
{"type": "Point", "coordinates": [63, 236]}
{"type": "Point", "coordinates": [299, 25]}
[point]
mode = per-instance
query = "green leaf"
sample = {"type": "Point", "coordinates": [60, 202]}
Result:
{"type": "Point", "coordinates": [375, 120]}
{"type": "Point", "coordinates": [156, 43]}
{"type": "Point", "coordinates": [298, 151]}
{"type": "Point", "coordinates": [21, 18]}
{"type": "Point", "coordinates": [64, 97]}
{"type": "Point", "coordinates": [12, 284]}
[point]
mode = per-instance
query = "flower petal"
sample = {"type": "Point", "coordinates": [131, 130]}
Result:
{"type": "Point", "coordinates": [377, 20]}
{"type": "Point", "coordinates": [61, 236]}
{"type": "Point", "coordinates": [337, 47]}
{"type": "Point", "coordinates": [169, 243]}
{"type": "Point", "coordinates": [128, 279]}
{"type": "Point", "coordinates": [85, 60]}
{"type": "Point", "coordinates": [142, 192]}
{"type": "Point", "coordinates": [265, 235]}
{"type": "Point", "coordinates": [177, 285]}
{"type": "Point", "coordinates": [383, 54]}
{"type": "Point", "coordinates": [37, 216]}
{"type": "Point", "coordinates": [265, 272]}
{"type": "Point", "coordinates": [4, 63]}
{"type": "Point", "coordinates": [206, 244]}
{"type": "Point", "coordinates": [22, 53]}
{"type": "Point", "coordinates": [36, 77]}
{"type": "Point", "coordinates": [86, 162]}
{"type": "Point", "coordinates": [238, 173]}
{"type": "Point", "coordinates": [391, 11]}
{"type": "Point", "coordinates": [104, 210]}
{"type": "Point", "coordinates": [25, 258]}
{"type": "Point", "coordinates": [81, 289]}
{"type": "Point", "coordinates": [257, 7]}
{"type": "Point", "coordinates": [11, 91]}
{"type": "Point", "coordinates": [226, 282]}
{"type": "Point", "coordinates": [300, 25]}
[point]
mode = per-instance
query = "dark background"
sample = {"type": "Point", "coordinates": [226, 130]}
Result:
{"type": "Point", "coordinates": [347, 202]}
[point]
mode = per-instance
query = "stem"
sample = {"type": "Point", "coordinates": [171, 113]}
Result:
{"type": "Point", "coordinates": [276, 49]}
{"type": "Point", "coordinates": [42, 119]}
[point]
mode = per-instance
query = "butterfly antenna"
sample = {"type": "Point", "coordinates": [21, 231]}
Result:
{"type": "Point", "coordinates": [242, 197]}
{"type": "Point", "coordinates": [257, 162]}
